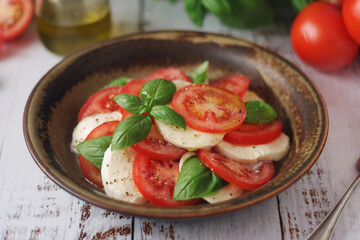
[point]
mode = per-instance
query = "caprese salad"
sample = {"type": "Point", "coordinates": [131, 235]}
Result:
{"type": "Point", "coordinates": [172, 139]}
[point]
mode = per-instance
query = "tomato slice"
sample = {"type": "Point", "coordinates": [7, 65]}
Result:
{"type": "Point", "coordinates": [246, 176]}
{"type": "Point", "coordinates": [133, 87]}
{"type": "Point", "coordinates": [15, 17]}
{"type": "Point", "coordinates": [209, 109]}
{"type": "Point", "coordinates": [92, 173]}
{"type": "Point", "coordinates": [155, 146]}
{"type": "Point", "coordinates": [169, 74]}
{"type": "Point", "coordinates": [100, 102]}
{"type": "Point", "coordinates": [237, 84]}
{"type": "Point", "coordinates": [255, 134]}
{"type": "Point", "coordinates": [156, 180]}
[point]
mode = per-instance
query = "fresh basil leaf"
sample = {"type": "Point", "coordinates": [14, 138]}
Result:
{"type": "Point", "coordinates": [166, 114]}
{"type": "Point", "coordinates": [118, 82]}
{"type": "Point", "coordinates": [130, 131]}
{"type": "Point", "coordinates": [259, 112]}
{"type": "Point", "coordinates": [300, 4]}
{"type": "Point", "coordinates": [129, 102]}
{"type": "Point", "coordinates": [195, 11]}
{"type": "Point", "coordinates": [247, 14]}
{"type": "Point", "coordinates": [144, 109]}
{"type": "Point", "coordinates": [200, 73]}
{"type": "Point", "coordinates": [149, 103]}
{"type": "Point", "coordinates": [217, 6]}
{"type": "Point", "coordinates": [196, 180]}
{"type": "Point", "coordinates": [160, 90]}
{"type": "Point", "coordinates": [94, 149]}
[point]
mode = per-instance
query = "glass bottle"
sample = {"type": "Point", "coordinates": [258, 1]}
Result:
{"type": "Point", "coordinates": [68, 25]}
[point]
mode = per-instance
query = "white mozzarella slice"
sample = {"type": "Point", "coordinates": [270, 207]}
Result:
{"type": "Point", "coordinates": [273, 151]}
{"type": "Point", "coordinates": [180, 84]}
{"type": "Point", "coordinates": [86, 125]}
{"type": "Point", "coordinates": [228, 192]}
{"type": "Point", "coordinates": [250, 96]}
{"type": "Point", "coordinates": [190, 138]}
{"type": "Point", "coordinates": [116, 173]}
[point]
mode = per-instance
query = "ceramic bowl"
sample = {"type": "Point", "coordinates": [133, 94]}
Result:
{"type": "Point", "coordinates": [52, 107]}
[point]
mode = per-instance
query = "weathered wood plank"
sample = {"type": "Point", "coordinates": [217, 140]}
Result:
{"type": "Point", "coordinates": [257, 222]}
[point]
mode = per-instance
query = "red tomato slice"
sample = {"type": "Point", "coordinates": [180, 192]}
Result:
{"type": "Point", "coordinates": [100, 102]}
{"type": "Point", "coordinates": [155, 146]}
{"type": "Point", "coordinates": [237, 84]}
{"type": "Point", "coordinates": [255, 134]}
{"type": "Point", "coordinates": [169, 74]}
{"type": "Point", "coordinates": [133, 87]}
{"type": "Point", "coordinates": [15, 17]}
{"type": "Point", "coordinates": [209, 109]}
{"type": "Point", "coordinates": [156, 180]}
{"type": "Point", "coordinates": [243, 175]}
{"type": "Point", "coordinates": [92, 173]}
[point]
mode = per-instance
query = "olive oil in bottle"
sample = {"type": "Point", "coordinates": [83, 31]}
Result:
{"type": "Point", "coordinates": [68, 25]}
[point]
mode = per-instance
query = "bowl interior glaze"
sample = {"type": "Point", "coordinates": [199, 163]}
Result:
{"type": "Point", "coordinates": [51, 111]}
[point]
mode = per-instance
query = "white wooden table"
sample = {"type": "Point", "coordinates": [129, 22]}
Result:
{"type": "Point", "coordinates": [33, 207]}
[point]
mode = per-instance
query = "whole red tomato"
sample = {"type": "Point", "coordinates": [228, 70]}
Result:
{"type": "Point", "coordinates": [319, 37]}
{"type": "Point", "coordinates": [351, 15]}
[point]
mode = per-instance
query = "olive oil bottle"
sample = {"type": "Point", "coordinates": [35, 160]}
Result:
{"type": "Point", "coordinates": [68, 25]}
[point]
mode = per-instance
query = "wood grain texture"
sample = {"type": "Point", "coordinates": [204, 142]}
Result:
{"type": "Point", "coordinates": [238, 225]}
{"type": "Point", "coordinates": [33, 207]}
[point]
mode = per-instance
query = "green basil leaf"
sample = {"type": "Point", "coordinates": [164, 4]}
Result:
{"type": "Point", "coordinates": [94, 149]}
{"type": "Point", "coordinates": [300, 4]}
{"type": "Point", "coordinates": [129, 102]}
{"type": "Point", "coordinates": [196, 180]}
{"type": "Point", "coordinates": [217, 6]}
{"type": "Point", "coordinates": [160, 90]}
{"type": "Point", "coordinates": [166, 114]}
{"type": "Point", "coordinates": [195, 11]}
{"type": "Point", "coordinates": [200, 73]}
{"type": "Point", "coordinates": [118, 82]}
{"type": "Point", "coordinates": [248, 14]}
{"type": "Point", "coordinates": [130, 131]}
{"type": "Point", "coordinates": [259, 112]}
{"type": "Point", "coordinates": [149, 103]}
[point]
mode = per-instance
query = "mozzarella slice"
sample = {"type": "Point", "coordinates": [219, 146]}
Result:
{"type": "Point", "coordinates": [86, 125]}
{"type": "Point", "coordinates": [228, 192]}
{"type": "Point", "coordinates": [116, 173]}
{"type": "Point", "coordinates": [190, 138]}
{"type": "Point", "coordinates": [250, 96]}
{"type": "Point", "coordinates": [273, 151]}
{"type": "Point", "coordinates": [180, 84]}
